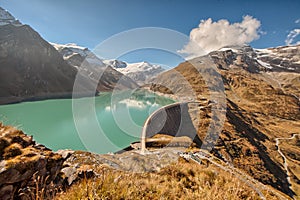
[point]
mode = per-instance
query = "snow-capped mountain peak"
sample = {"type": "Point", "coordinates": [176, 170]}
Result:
{"type": "Point", "coordinates": [6, 18]}
{"type": "Point", "coordinates": [72, 50]}
{"type": "Point", "coordinates": [115, 63]}
{"type": "Point", "coordinates": [141, 71]}
{"type": "Point", "coordinates": [141, 66]}
{"type": "Point", "coordinates": [245, 49]}
{"type": "Point", "coordinates": [277, 59]}
{"type": "Point", "coordinates": [283, 58]}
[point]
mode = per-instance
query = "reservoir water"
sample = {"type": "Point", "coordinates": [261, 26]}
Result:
{"type": "Point", "coordinates": [109, 124]}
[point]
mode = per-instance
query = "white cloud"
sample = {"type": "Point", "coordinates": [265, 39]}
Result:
{"type": "Point", "coordinates": [291, 37]}
{"type": "Point", "coordinates": [210, 36]}
{"type": "Point", "coordinates": [297, 21]}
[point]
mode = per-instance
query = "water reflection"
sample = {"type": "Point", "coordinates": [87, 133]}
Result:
{"type": "Point", "coordinates": [121, 117]}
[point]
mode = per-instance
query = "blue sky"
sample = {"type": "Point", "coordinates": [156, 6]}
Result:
{"type": "Point", "coordinates": [89, 22]}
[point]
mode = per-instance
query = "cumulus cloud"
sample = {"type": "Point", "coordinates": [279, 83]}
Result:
{"type": "Point", "coordinates": [291, 37]}
{"type": "Point", "coordinates": [210, 36]}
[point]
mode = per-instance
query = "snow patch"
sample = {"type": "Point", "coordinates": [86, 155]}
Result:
{"type": "Point", "coordinates": [69, 50]}
{"type": "Point", "coordinates": [139, 67]}
{"type": "Point", "coordinates": [115, 63]}
{"type": "Point", "coordinates": [227, 49]}
{"type": "Point", "coordinates": [72, 48]}
{"type": "Point", "coordinates": [139, 72]}
{"type": "Point", "coordinates": [6, 18]}
{"type": "Point", "coordinates": [264, 64]}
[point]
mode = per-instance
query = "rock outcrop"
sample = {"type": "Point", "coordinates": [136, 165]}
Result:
{"type": "Point", "coordinates": [7, 18]}
{"type": "Point", "coordinates": [23, 162]}
{"type": "Point", "coordinates": [280, 59]}
{"type": "Point", "coordinates": [27, 168]}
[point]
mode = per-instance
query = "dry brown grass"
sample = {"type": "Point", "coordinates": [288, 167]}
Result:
{"type": "Point", "coordinates": [260, 107]}
{"type": "Point", "coordinates": [183, 180]}
{"type": "Point", "coordinates": [40, 190]}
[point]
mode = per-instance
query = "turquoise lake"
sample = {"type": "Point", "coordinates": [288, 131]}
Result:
{"type": "Point", "coordinates": [106, 123]}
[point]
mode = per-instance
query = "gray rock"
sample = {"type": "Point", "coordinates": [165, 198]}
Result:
{"type": "Point", "coordinates": [6, 192]}
{"type": "Point", "coordinates": [65, 153]}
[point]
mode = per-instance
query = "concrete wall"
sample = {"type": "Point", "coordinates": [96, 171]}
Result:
{"type": "Point", "coordinates": [174, 120]}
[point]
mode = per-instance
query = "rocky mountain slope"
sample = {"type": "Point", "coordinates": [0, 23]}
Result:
{"type": "Point", "coordinates": [31, 68]}
{"type": "Point", "coordinates": [280, 59]}
{"type": "Point", "coordinates": [262, 96]}
{"type": "Point", "coordinates": [7, 18]}
{"type": "Point", "coordinates": [89, 64]}
{"type": "Point", "coordinates": [94, 68]}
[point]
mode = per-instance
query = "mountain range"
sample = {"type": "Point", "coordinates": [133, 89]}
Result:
{"type": "Point", "coordinates": [260, 135]}
{"type": "Point", "coordinates": [93, 68]}
{"type": "Point", "coordinates": [32, 68]}
{"type": "Point", "coordinates": [141, 72]}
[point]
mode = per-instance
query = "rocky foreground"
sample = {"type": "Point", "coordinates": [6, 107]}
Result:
{"type": "Point", "coordinates": [31, 171]}
{"type": "Point", "coordinates": [27, 167]}
{"type": "Point", "coordinates": [23, 161]}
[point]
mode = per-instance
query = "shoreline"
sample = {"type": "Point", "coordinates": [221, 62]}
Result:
{"type": "Point", "coordinates": [82, 96]}
{"type": "Point", "coordinates": [43, 97]}
{"type": "Point", "coordinates": [170, 96]}
{"type": "Point", "coordinates": [15, 100]}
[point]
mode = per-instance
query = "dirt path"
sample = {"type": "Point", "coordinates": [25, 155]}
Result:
{"type": "Point", "coordinates": [285, 163]}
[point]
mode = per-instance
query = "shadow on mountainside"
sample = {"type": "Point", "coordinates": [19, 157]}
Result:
{"type": "Point", "coordinates": [255, 137]}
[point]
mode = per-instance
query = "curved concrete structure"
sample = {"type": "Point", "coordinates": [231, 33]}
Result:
{"type": "Point", "coordinates": [174, 120]}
